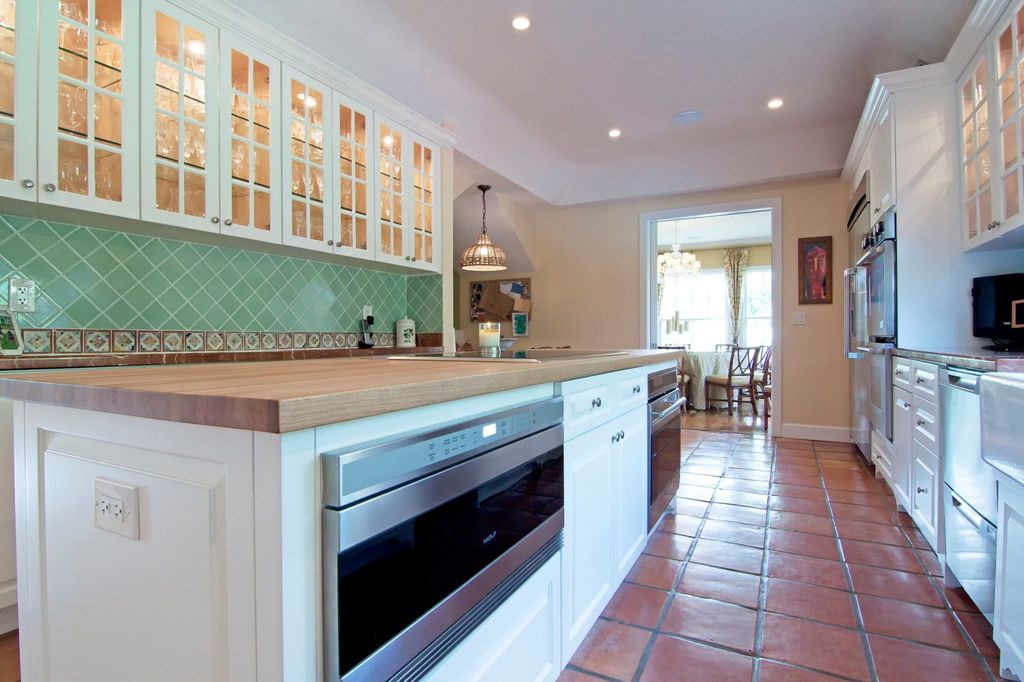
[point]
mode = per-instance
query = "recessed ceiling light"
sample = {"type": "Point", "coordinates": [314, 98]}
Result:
{"type": "Point", "coordinates": [521, 23]}
{"type": "Point", "coordinates": [775, 103]}
{"type": "Point", "coordinates": [614, 132]}
{"type": "Point", "coordinates": [688, 116]}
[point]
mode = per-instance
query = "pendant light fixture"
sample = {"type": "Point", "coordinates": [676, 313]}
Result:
{"type": "Point", "coordinates": [677, 263]}
{"type": "Point", "coordinates": [483, 256]}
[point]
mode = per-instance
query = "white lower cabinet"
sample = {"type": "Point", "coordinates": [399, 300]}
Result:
{"type": "Point", "coordinates": [902, 441]}
{"type": "Point", "coordinates": [520, 642]}
{"type": "Point", "coordinates": [1009, 616]}
{"type": "Point", "coordinates": [629, 490]}
{"type": "Point", "coordinates": [926, 493]}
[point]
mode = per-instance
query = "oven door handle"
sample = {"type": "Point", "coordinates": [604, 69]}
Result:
{"type": "Point", "coordinates": [658, 417]}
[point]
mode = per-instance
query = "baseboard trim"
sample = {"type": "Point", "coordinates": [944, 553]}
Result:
{"type": "Point", "coordinates": [8, 594]}
{"type": "Point", "coordinates": [8, 619]}
{"type": "Point", "coordinates": [835, 434]}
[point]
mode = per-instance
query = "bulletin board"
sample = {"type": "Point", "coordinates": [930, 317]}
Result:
{"type": "Point", "coordinates": [497, 300]}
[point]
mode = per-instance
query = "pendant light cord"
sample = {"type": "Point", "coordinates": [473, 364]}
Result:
{"type": "Point", "coordinates": [483, 195]}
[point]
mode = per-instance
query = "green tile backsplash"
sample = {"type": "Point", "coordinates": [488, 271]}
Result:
{"type": "Point", "coordinates": [101, 279]}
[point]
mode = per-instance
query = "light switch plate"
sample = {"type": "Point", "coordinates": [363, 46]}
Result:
{"type": "Point", "coordinates": [367, 311]}
{"type": "Point", "coordinates": [21, 296]}
{"type": "Point", "coordinates": [800, 318]}
{"type": "Point", "coordinates": [116, 507]}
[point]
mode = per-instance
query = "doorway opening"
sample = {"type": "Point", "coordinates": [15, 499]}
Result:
{"type": "Point", "coordinates": [712, 289]}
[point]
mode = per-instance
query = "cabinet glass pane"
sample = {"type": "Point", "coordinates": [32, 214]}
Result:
{"type": "Point", "coordinates": [1007, 98]}
{"type": "Point", "coordinates": [90, 101]}
{"type": "Point", "coordinates": [8, 26]}
{"type": "Point", "coordinates": [1011, 194]}
{"type": "Point", "coordinates": [967, 99]}
{"type": "Point", "coordinates": [6, 150]}
{"type": "Point", "coordinates": [181, 140]}
{"type": "Point", "coordinates": [972, 219]}
{"type": "Point", "coordinates": [1010, 145]}
{"type": "Point", "coordinates": [985, 200]}
{"type": "Point", "coordinates": [250, 127]}
{"type": "Point", "coordinates": [306, 147]}
{"type": "Point", "coordinates": [352, 154]}
{"type": "Point", "coordinates": [1019, 21]}
{"type": "Point", "coordinates": [390, 178]}
{"type": "Point", "coordinates": [9, 107]}
{"type": "Point", "coordinates": [1005, 56]}
{"type": "Point", "coordinates": [423, 201]}
{"type": "Point", "coordinates": [981, 119]}
{"type": "Point", "coordinates": [981, 81]}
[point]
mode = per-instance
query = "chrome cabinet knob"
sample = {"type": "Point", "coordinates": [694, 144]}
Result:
{"type": "Point", "coordinates": [622, 434]}
{"type": "Point", "coordinates": [28, 183]}
{"type": "Point", "coordinates": [615, 438]}
{"type": "Point", "coordinates": [214, 219]}
{"type": "Point", "coordinates": [636, 389]}
{"type": "Point", "coordinates": [920, 380]}
{"type": "Point", "coordinates": [330, 242]}
{"type": "Point", "coordinates": [408, 258]}
{"type": "Point", "coordinates": [414, 259]}
{"type": "Point", "coordinates": [920, 422]}
{"type": "Point", "coordinates": [922, 490]}
{"type": "Point", "coordinates": [995, 224]}
{"type": "Point", "coordinates": [227, 221]}
{"type": "Point", "coordinates": [50, 187]}
{"type": "Point", "coordinates": [596, 402]}
{"type": "Point", "coordinates": [878, 209]}
{"type": "Point", "coordinates": [899, 372]}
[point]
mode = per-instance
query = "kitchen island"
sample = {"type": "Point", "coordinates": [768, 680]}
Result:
{"type": "Point", "coordinates": [212, 473]}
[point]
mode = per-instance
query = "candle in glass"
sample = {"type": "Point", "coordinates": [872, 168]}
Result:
{"type": "Point", "coordinates": [490, 334]}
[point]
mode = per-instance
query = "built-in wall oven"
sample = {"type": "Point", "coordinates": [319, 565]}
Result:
{"type": "Point", "coordinates": [425, 536]}
{"type": "Point", "coordinates": [665, 405]}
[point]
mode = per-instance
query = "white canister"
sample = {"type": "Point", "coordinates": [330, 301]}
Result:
{"type": "Point", "coordinates": [405, 333]}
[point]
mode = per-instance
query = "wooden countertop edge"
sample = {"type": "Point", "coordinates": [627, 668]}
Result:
{"type": "Point", "coordinates": [250, 414]}
{"type": "Point", "coordinates": [295, 414]}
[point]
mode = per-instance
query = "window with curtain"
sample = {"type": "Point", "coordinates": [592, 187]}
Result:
{"type": "Point", "coordinates": [695, 310]}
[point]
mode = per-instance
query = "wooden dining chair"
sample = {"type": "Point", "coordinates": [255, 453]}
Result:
{"type": "Point", "coordinates": [763, 385]}
{"type": "Point", "coordinates": [739, 381]}
{"type": "Point", "coordinates": [764, 363]}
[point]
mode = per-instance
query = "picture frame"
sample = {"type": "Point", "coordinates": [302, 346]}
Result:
{"type": "Point", "coordinates": [520, 324]}
{"type": "Point", "coordinates": [815, 272]}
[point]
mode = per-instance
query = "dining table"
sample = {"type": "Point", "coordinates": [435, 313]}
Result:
{"type": "Point", "coordinates": [699, 364]}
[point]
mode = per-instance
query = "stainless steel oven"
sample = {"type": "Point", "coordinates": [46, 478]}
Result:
{"type": "Point", "coordinates": [425, 536]}
{"type": "Point", "coordinates": [665, 405]}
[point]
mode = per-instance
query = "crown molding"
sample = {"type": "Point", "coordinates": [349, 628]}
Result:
{"type": "Point", "coordinates": [229, 17]}
{"type": "Point", "coordinates": [979, 25]}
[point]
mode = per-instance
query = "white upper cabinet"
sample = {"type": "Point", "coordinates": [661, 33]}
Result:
{"type": "Point", "coordinates": [990, 117]}
{"type": "Point", "coordinates": [354, 170]}
{"type": "Point", "coordinates": [882, 160]}
{"type": "Point", "coordinates": [18, 99]}
{"type": "Point", "coordinates": [250, 148]}
{"type": "Point", "coordinates": [305, 125]}
{"type": "Point", "coordinates": [88, 133]}
{"type": "Point", "coordinates": [179, 118]}
{"type": "Point", "coordinates": [425, 209]}
{"type": "Point", "coordinates": [391, 196]}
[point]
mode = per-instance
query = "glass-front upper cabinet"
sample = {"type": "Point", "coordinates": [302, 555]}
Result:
{"type": "Point", "coordinates": [179, 118]}
{"type": "Point", "coordinates": [353, 145]}
{"type": "Point", "coordinates": [308, 218]}
{"type": "Point", "coordinates": [88, 105]}
{"type": "Point", "coordinates": [1009, 77]}
{"type": "Point", "coordinates": [250, 189]}
{"type": "Point", "coordinates": [18, 99]}
{"type": "Point", "coordinates": [425, 206]}
{"type": "Point", "coordinates": [977, 149]}
{"type": "Point", "coordinates": [390, 202]}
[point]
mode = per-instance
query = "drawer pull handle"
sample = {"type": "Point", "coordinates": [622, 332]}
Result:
{"type": "Point", "coordinates": [636, 389]}
{"type": "Point", "coordinates": [921, 380]}
{"type": "Point", "coordinates": [596, 402]}
{"type": "Point", "coordinates": [899, 372]}
{"type": "Point", "coordinates": [921, 422]}
{"type": "Point", "coordinates": [615, 438]}
{"type": "Point", "coordinates": [922, 490]}
{"type": "Point", "coordinates": [622, 434]}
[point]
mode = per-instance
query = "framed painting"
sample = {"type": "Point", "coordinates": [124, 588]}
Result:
{"type": "Point", "coordinates": [815, 260]}
{"type": "Point", "coordinates": [520, 324]}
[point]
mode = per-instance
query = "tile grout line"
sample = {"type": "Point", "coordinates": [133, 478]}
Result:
{"type": "Point", "coordinates": [857, 615]}
{"type": "Point", "coordinates": [762, 592]}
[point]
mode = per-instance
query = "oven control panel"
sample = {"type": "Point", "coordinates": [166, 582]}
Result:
{"type": "Point", "coordinates": [354, 475]}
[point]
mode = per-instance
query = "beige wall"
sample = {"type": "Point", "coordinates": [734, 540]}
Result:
{"type": "Point", "coordinates": [586, 285]}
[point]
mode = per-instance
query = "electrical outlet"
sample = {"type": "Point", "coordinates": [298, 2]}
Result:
{"type": "Point", "coordinates": [21, 296]}
{"type": "Point", "coordinates": [367, 311]}
{"type": "Point", "coordinates": [800, 318]}
{"type": "Point", "coordinates": [116, 508]}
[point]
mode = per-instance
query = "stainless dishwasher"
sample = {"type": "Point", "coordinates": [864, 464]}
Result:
{"type": "Point", "coordinates": [969, 493]}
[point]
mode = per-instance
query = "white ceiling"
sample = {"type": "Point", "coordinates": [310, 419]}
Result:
{"type": "Point", "coordinates": [717, 231]}
{"type": "Point", "coordinates": [536, 106]}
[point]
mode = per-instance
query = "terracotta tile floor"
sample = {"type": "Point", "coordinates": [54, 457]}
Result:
{"type": "Point", "coordinates": [784, 560]}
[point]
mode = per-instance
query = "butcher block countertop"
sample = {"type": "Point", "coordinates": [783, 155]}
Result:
{"type": "Point", "coordinates": [290, 395]}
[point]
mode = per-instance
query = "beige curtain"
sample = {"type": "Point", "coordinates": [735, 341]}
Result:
{"type": "Point", "coordinates": [735, 265]}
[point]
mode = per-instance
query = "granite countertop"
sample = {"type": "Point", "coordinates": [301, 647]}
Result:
{"type": "Point", "coordinates": [282, 396]}
{"type": "Point", "coordinates": [971, 358]}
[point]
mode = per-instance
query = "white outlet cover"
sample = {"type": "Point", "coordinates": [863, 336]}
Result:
{"type": "Point", "coordinates": [107, 495]}
{"type": "Point", "coordinates": [367, 311]}
{"type": "Point", "coordinates": [21, 296]}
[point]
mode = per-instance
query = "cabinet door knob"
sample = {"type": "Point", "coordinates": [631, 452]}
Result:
{"type": "Point", "coordinates": [920, 380]}
{"type": "Point", "coordinates": [878, 210]}
{"type": "Point", "coordinates": [622, 434]}
{"type": "Point", "coordinates": [636, 389]}
{"type": "Point", "coordinates": [922, 490]}
{"type": "Point", "coordinates": [920, 422]}
{"type": "Point", "coordinates": [50, 187]}
{"type": "Point", "coordinates": [214, 220]}
{"type": "Point", "coordinates": [408, 258]}
{"type": "Point", "coordinates": [227, 221]}
{"type": "Point", "coordinates": [330, 242]}
{"type": "Point", "coordinates": [615, 438]}
{"type": "Point", "coordinates": [899, 372]}
{"type": "Point", "coordinates": [995, 224]}
{"type": "Point", "coordinates": [28, 183]}
{"type": "Point", "coordinates": [596, 402]}
{"type": "Point", "coordinates": [414, 259]}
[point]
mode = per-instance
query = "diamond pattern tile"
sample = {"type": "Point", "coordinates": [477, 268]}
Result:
{"type": "Point", "coordinates": [92, 278]}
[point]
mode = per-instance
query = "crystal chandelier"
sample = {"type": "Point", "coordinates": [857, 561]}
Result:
{"type": "Point", "coordinates": [677, 264]}
{"type": "Point", "coordinates": [483, 255]}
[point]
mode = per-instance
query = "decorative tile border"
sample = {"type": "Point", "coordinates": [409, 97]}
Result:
{"type": "Point", "coordinates": [121, 341]}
